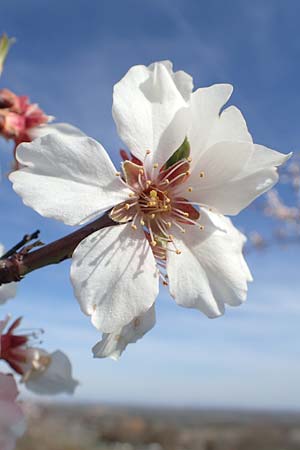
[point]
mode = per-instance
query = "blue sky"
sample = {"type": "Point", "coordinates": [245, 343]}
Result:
{"type": "Point", "coordinates": [68, 56]}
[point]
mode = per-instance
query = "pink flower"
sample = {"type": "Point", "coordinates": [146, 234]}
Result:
{"type": "Point", "coordinates": [12, 424]}
{"type": "Point", "coordinates": [42, 372]}
{"type": "Point", "coordinates": [18, 117]}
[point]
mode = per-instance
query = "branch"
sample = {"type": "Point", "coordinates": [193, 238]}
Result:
{"type": "Point", "coordinates": [27, 238]}
{"type": "Point", "coordinates": [16, 266]}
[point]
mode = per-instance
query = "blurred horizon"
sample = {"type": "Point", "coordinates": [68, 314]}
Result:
{"type": "Point", "coordinates": [67, 57]}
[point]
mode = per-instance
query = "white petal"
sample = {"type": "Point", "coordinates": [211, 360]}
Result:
{"type": "Point", "coordinates": [210, 272]}
{"type": "Point", "coordinates": [9, 290]}
{"type": "Point", "coordinates": [206, 104]}
{"type": "Point", "coordinates": [230, 126]}
{"type": "Point", "coordinates": [231, 192]}
{"type": "Point", "coordinates": [112, 345]}
{"type": "Point", "coordinates": [220, 164]}
{"type": "Point", "coordinates": [182, 80]}
{"type": "Point", "coordinates": [150, 111]}
{"type": "Point", "coordinates": [67, 178]}
{"type": "Point", "coordinates": [114, 276]}
{"type": "Point", "coordinates": [60, 129]}
{"type": "Point", "coordinates": [56, 379]}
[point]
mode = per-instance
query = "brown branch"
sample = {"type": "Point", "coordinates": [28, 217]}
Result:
{"type": "Point", "coordinates": [27, 238]}
{"type": "Point", "coordinates": [15, 267]}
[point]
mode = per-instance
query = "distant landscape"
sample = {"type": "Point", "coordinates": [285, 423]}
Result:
{"type": "Point", "coordinates": [90, 427]}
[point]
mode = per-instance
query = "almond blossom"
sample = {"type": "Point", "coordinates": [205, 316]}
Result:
{"type": "Point", "coordinates": [9, 290]}
{"type": "Point", "coordinates": [22, 121]}
{"type": "Point", "coordinates": [42, 372]}
{"type": "Point", "coordinates": [12, 423]}
{"type": "Point", "coordinates": [189, 165]}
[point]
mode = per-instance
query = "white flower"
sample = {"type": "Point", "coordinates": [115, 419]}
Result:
{"type": "Point", "coordinates": [190, 165]}
{"type": "Point", "coordinates": [42, 372]}
{"type": "Point", "coordinates": [9, 290]}
{"type": "Point", "coordinates": [12, 423]}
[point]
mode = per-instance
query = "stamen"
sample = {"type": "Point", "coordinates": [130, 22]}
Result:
{"type": "Point", "coordinates": [175, 167]}
{"type": "Point", "coordinates": [179, 226]}
{"type": "Point", "coordinates": [176, 178]}
{"type": "Point", "coordinates": [201, 174]}
{"type": "Point", "coordinates": [184, 214]}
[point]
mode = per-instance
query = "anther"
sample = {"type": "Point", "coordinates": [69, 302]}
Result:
{"type": "Point", "coordinates": [152, 216]}
{"type": "Point", "coordinates": [171, 237]}
{"type": "Point", "coordinates": [127, 206]}
{"type": "Point", "coordinates": [178, 252]}
{"type": "Point", "coordinates": [153, 243]}
{"type": "Point", "coordinates": [134, 227]}
{"type": "Point", "coordinates": [131, 194]}
{"type": "Point", "coordinates": [117, 174]}
{"type": "Point", "coordinates": [165, 283]}
{"type": "Point", "coordinates": [188, 172]}
{"type": "Point", "coordinates": [142, 222]}
{"type": "Point", "coordinates": [189, 159]}
{"type": "Point", "coordinates": [201, 227]}
{"type": "Point", "coordinates": [148, 152]}
{"type": "Point", "coordinates": [148, 182]}
{"type": "Point", "coordinates": [141, 171]}
{"type": "Point", "coordinates": [155, 166]}
{"type": "Point", "coordinates": [201, 174]}
{"type": "Point", "coordinates": [168, 200]}
{"type": "Point", "coordinates": [190, 189]}
{"type": "Point", "coordinates": [169, 224]}
{"type": "Point", "coordinates": [153, 194]}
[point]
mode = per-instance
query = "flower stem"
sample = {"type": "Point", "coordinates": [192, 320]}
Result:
{"type": "Point", "coordinates": [16, 266]}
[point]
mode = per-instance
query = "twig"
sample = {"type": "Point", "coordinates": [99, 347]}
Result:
{"type": "Point", "coordinates": [16, 266]}
{"type": "Point", "coordinates": [15, 248]}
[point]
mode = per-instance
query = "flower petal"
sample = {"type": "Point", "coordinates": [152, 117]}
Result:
{"type": "Point", "coordinates": [114, 276]}
{"type": "Point", "coordinates": [206, 104]}
{"type": "Point", "coordinates": [112, 345]}
{"type": "Point", "coordinates": [227, 188]}
{"type": "Point", "coordinates": [211, 271]}
{"type": "Point", "coordinates": [151, 112]}
{"type": "Point", "coordinates": [64, 129]}
{"type": "Point", "coordinates": [12, 423]}
{"type": "Point", "coordinates": [56, 379]}
{"type": "Point", "coordinates": [229, 126]}
{"type": "Point", "coordinates": [182, 80]}
{"type": "Point", "coordinates": [218, 165]}
{"type": "Point", "coordinates": [67, 178]}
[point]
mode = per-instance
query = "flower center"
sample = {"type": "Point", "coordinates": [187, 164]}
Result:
{"type": "Point", "coordinates": [157, 203]}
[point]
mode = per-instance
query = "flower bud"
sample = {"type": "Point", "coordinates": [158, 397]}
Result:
{"type": "Point", "coordinates": [5, 44]}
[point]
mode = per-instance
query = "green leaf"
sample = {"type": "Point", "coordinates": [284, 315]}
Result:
{"type": "Point", "coordinates": [5, 44]}
{"type": "Point", "coordinates": [183, 152]}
